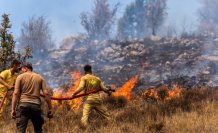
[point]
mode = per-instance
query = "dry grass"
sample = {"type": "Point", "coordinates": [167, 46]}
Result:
{"type": "Point", "coordinates": [194, 111]}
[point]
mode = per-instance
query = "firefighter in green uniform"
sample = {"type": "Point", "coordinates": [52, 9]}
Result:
{"type": "Point", "coordinates": [89, 82]}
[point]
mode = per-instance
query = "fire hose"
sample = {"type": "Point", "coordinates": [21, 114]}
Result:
{"type": "Point", "coordinates": [77, 96]}
{"type": "Point", "coordinates": [58, 98]}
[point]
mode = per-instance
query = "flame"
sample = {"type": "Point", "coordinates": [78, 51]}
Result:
{"type": "Point", "coordinates": [126, 89]}
{"type": "Point", "coordinates": [175, 92]}
{"type": "Point", "coordinates": [75, 104]}
{"type": "Point", "coordinates": [67, 92]}
{"type": "Point", "coordinates": [57, 94]}
{"type": "Point", "coordinates": [151, 93]}
{"type": "Point", "coordinates": [163, 93]}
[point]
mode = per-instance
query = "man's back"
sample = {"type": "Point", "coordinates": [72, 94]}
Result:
{"type": "Point", "coordinates": [91, 82]}
{"type": "Point", "coordinates": [30, 84]}
{"type": "Point", "coordinates": [27, 95]}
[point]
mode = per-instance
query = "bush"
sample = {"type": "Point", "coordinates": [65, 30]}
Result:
{"type": "Point", "coordinates": [115, 102]}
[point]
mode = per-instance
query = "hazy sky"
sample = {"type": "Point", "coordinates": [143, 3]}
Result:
{"type": "Point", "coordinates": [64, 14]}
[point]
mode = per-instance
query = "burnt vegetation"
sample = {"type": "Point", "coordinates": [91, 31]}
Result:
{"type": "Point", "coordinates": [141, 47]}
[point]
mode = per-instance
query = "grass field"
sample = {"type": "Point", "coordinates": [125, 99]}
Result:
{"type": "Point", "coordinates": [194, 111]}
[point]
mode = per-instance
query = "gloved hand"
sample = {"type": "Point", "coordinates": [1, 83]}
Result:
{"type": "Point", "coordinates": [73, 95]}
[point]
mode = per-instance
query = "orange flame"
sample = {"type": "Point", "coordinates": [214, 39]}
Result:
{"type": "Point", "coordinates": [126, 89]}
{"type": "Point", "coordinates": [175, 92]}
{"type": "Point", "coordinates": [151, 93]}
{"type": "Point", "coordinates": [57, 94]}
{"type": "Point", "coordinates": [163, 93]}
{"type": "Point", "coordinates": [75, 103]}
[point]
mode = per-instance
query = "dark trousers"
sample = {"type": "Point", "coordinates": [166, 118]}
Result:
{"type": "Point", "coordinates": [28, 111]}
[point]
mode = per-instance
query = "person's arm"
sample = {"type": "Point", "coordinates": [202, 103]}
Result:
{"type": "Point", "coordinates": [3, 76]}
{"type": "Point", "coordinates": [47, 96]}
{"type": "Point", "coordinates": [47, 99]}
{"type": "Point", "coordinates": [80, 88]}
{"type": "Point", "coordinates": [104, 88]}
{"type": "Point", "coordinates": [16, 95]}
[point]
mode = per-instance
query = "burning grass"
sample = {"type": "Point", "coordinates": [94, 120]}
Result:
{"type": "Point", "coordinates": [194, 110]}
{"type": "Point", "coordinates": [66, 91]}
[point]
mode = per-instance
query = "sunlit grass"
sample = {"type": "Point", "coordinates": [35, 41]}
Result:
{"type": "Point", "coordinates": [195, 110]}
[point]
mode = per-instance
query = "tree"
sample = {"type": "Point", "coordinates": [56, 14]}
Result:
{"type": "Point", "coordinates": [125, 24]}
{"type": "Point", "coordinates": [208, 17]}
{"type": "Point", "coordinates": [133, 22]}
{"type": "Point", "coordinates": [7, 45]}
{"type": "Point", "coordinates": [7, 42]}
{"type": "Point", "coordinates": [98, 23]}
{"type": "Point", "coordinates": [36, 34]}
{"type": "Point", "coordinates": [155, 14]}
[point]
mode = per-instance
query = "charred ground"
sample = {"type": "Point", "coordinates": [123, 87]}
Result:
{"type": "Point", "coordinates": [153, 60]}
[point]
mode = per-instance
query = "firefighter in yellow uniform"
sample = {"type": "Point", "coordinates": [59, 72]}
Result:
{"type": "Point", "coordinates": [7, 80]}
{"type": "Point", "coordinates": [90, 82]}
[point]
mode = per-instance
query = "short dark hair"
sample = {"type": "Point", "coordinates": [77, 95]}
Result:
{"type": "Point", "coordinates": [15, 62]}
{"type": "Point", "coordinates": [28, 65]}
{"type": "Point", "coordinates": [88, 68]}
